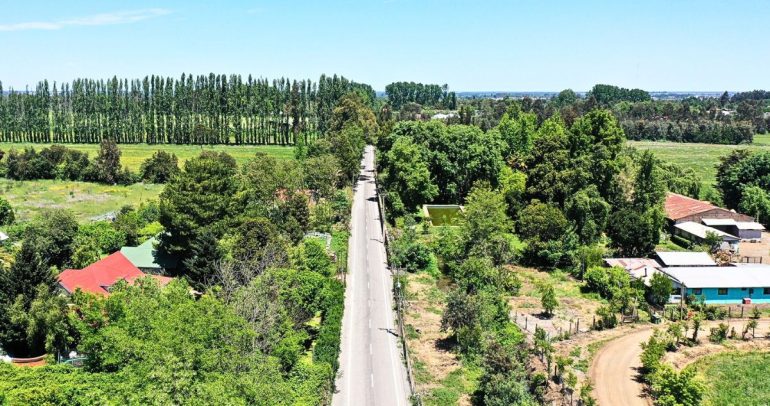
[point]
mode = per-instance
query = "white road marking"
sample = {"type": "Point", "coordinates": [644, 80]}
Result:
{"type": "Point", "coordinates": [370, 349]}
{"type": "Point", "coordinates": [372, 379]}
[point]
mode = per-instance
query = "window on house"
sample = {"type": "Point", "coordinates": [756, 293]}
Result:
{"type": "Point", "coordinates": [766, 291]}
{"type": "Point", "coordinates": [697, 291]}
{"type": "Point", "coordinates": [722, 291]}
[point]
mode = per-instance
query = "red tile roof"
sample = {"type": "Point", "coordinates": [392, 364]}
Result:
{"type": "Point", "coordinates": [678, 206]}
{"type": "Point", "coordinates": [99, 276]}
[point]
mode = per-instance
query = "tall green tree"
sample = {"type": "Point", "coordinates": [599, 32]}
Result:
{"type": "Point", "coordinates": [408, 174]}
{"type": "Point", "coordinates": [198, 200]}
{"type": "Point", "coordinates": [106, 166]}
{"type": "Point", "coordinates": [756, 202]}
{"type": "Point", "coordinates": [52, 234]}
{"type": "Point", "coordinates": [589, 212]}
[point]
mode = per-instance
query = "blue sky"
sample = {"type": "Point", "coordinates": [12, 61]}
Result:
{"type": "Point", "coordinates": [471, 45]}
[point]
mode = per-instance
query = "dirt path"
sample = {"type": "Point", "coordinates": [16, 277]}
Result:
{"type": "Point", "coordinates": [614, 370]}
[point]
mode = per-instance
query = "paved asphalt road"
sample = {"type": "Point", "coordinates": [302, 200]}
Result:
{"type": "Point", "coordinates": [371, 368]}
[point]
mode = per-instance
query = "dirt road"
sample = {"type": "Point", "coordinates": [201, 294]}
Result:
{"type": "Point", "coordinates": [614, 370]}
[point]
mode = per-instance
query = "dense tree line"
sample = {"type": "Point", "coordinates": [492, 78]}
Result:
{"type": "Point", "coordinates": [751, 95]}
{"type": "Point", "coordinates": [703, 131]}
{"type": "Point", "coordinates": [564, 186]}
{"type": "Point", "coordinates": [203, 109]}
{"type": "Point", "coordinates": [607, 95]}
{"type": "Point", "coordinates": [722, 120]}
{"type": "Point", "coordinates": [60, 162]}
{"type": "Point", "coordinates": [426, 95]}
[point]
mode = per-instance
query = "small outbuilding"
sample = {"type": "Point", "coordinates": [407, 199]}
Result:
{"type": "Point", "coordinates": [684, 258]}
{"type": "Point", "coordinates": [723, 285]}
{"type": "Point", "coordinates": [3, 236]}
{"type": "Point", "coordinates": [639, 268]}
{"type": "Point", "coordinates": [148, 258]}
{"type": "Point", "coordinates": [745, 230]}
{"type": "Point", "coordinates": [698, 233]}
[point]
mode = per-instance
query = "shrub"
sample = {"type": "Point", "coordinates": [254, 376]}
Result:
{"type": "Point", "coordinates": [660, 289]}
{"type": "Point", "coordinates": [606, 281]}
{"type": "Point", "coordinates": [718, 334]}
{"type": "Point", "coordinates": [672, 388]}
{"type": "Point", "coordinates": [159, 168]}
{"type": "Point", "coordinates": [327, 347]}
{"type": "Point", "coordinates": [7, 216]}
{"type": "Point", "coordinates": [607, 318]}
{"type": "Point", "coordinates": [652, 352]}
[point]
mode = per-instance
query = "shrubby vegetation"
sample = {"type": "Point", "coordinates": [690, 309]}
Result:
{"type": "Point", "coordinates": [254, 313]}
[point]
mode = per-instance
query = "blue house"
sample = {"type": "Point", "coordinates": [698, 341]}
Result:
{"type": "Point", "coordinates": [723, 284]}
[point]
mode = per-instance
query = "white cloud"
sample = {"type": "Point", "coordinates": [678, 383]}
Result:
{"type": "Point", "coordinates": [121, 17]}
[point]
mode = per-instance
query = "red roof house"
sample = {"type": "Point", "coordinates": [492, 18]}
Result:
{"type": "Point", "coordinates": [681, 208]}
{"type": "Point", "coordinates": [98, 277]}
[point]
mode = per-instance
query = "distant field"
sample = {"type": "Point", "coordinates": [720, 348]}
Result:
{"type": "Point", "coordinates": [134, 154]}
{"type": "Point", "coordinates": [703, 158]}
{"type": "Point", "coordinates": [735, 378]}
{"type": "Point", "coordinates": [86, 200]}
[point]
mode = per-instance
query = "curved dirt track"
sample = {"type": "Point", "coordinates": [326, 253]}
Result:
{"type": "Point", "coordinates": [614, 370]}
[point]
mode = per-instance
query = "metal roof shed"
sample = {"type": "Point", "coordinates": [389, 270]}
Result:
{"type": "Point", "coordinates": [669, 259]}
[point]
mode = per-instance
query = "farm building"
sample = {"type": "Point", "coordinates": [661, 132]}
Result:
{"type": "Point", "coordinates": [639, 268]}
{"type": "Point", "coordinates": [681, 209]}
{"type": "Point", "coordinates": [723, 285]}
{"type": "Point", "coordinates": [698, 233]}
{"type": "Point", "coordinates": [745, 230]}
{"type": "Point", "coordinates": [100, 276]}
{"type": "Point", "coordinates": [148, 258]}
{"type": "Point", "coordinates": [684, 258]}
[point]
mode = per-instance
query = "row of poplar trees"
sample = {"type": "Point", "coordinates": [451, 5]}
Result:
{"type": "Point", "coordinates": [213, 109]}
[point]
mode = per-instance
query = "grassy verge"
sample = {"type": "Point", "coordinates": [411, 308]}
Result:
{"type": "Point", "coordinates": [134, 154]}
{"type": "Point", "coordinates": [735, 378]}
{"type": "Point", "coordinates": [441, 377]}
{"type": "Point", "coordinates": [84, 199]}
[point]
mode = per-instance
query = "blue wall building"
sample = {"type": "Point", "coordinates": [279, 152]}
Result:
{"type": "Point", "coordinates": [723, 284]}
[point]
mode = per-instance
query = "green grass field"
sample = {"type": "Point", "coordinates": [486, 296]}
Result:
{"type": "Point", "coordinates": [735, 378]}
{"type": "Point", "coordinates": [85, 199]}
{"type": "Point", "coordinates": [703, 158]}
{"type": "Point", "coordinates": [134, 154]}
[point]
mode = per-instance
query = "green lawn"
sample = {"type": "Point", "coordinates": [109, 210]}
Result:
{"type": "Point", "coordinates": [84, 199]}
{"type": "Point", "coordinates": [735, 378]}
{"type": "Point", "coordinates": [703, 158]}
{"type": "Point", "coordinates": [134, 154]}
